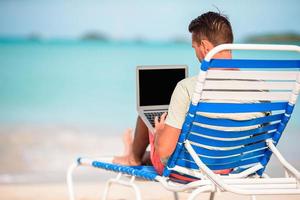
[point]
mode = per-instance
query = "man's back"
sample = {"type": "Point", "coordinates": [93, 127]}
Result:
{"type": "Point", "coordinates": [182, 97]}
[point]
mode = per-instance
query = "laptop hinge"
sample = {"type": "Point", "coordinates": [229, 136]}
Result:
{"type": "Point", "coordinates": [153, 110]}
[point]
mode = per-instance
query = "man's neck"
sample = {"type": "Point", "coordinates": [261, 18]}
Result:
{"type": "Point", "coordinates": [223, 55]}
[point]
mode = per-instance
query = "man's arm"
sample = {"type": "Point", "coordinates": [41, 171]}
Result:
{"type": "Point", "coordinates": [166, 134]}
{"type": "Point", "coordinates": [166, 137]}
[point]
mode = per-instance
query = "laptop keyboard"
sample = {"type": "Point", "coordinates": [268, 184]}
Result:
{"type": "Point", "coordinates": [152, 115]}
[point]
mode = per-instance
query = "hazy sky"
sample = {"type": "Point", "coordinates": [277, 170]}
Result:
{"type": "Point", "coordinates": [154, 20]}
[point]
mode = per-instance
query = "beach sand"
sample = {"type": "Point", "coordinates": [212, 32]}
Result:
{"type": "Point", "coordinates": [94, 190]}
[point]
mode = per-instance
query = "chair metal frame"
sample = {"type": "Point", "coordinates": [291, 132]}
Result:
{"type": "Point", "coordinates": [247, 182]}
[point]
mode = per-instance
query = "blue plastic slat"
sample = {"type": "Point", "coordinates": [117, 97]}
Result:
{"type": "Point", "coordinates": [285, 119]}
{"type": "Point", "coordinates": [237, 123]}
{"type": "Point", "coordinates": [264, 161]}
{"type": "Point", "coordinates": [204, 65]}
{"type": "Point", "coordinates": [232, 134]}
{"type": "Point", "coordinates": [244, 63]}
{"type": "Point", "coordinates": [289, 109]}
{"type": "Point", "coordinates": [222, 161]}
{"type": "Point", "coordinates": [220, 143]}
{"type": "Point", "coordinates": [145, 168]}
{"type": "Point", "coordinates": [135, 171]}
{"type": "Point", "coordinates": [240, 107]}
{"type": "Point", "coordinates": [192, 109]}
{"type": "Point", "coordinates": [211, 152]}
{"type": "Point", "coordinates": [166, 171]}
{"type": "Point", "coordinates": [193, 165]}
{"type": "Point", "coordinates": [281, 128]}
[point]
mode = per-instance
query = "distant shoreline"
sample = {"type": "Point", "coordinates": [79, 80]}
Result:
{"type": "Point", "coordinates": [91, 37]}
{"type": "Point", "coordinates": [256, 40]}
{"type": "Point", "coordinates": [274, 38]}
{"type": "Point", "coordinates": [5, 40]}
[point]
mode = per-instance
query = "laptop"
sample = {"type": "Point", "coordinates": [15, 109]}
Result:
{"type": "Point", "coordinates": [155, 85]}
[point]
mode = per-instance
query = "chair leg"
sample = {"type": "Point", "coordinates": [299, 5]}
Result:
{"type": "Point", "coordinates": [195, 193]}
{"type": "Point", "coordinates": [106, 190]}
{"type": "Point", "coordinates": [70, 180]}
{"type": "Point", "coordinates": [118, 181]}
{"type": "Point", "coordinates": [175, 195]}
{"type": "Point", "coordinates": [137, 191]}
{"type": "Point", "coordinates": [212, 195]}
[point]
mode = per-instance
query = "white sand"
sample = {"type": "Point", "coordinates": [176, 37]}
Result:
{"type": "Point", "coordinates": [94, 190]}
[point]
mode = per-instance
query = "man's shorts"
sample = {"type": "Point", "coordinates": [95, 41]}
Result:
{"type": "Point", "coordinates": [156, 162]}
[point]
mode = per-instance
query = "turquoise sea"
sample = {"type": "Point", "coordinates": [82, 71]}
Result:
{"type": "Point", "coordinates": [78, 82]}
{"type": "Point", "coordinates": [49, 87]}
{"type": "Point", "coordinates": [81, 82]}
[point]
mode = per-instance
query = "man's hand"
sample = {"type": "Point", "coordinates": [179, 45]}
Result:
{"type": "Point", "coordinates": [160, 123]}
{"type": "Point", "coordinates": [165, 137]}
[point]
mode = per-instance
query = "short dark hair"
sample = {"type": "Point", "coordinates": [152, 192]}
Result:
{"type": "Point", "coordinates": [212, 26]}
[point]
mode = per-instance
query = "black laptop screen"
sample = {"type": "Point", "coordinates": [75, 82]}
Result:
{"type": "Point", "coordinates": [156, 85]}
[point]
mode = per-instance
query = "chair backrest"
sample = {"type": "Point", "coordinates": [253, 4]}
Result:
{"type": "Point", "coordinates": [234, 112]}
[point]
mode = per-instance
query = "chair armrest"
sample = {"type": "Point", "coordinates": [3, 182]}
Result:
{"type": "Point", "coordinates": [282, 160]}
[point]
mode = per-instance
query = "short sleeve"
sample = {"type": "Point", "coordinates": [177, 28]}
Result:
{"type": "Point", "coordinates": [178, 106]}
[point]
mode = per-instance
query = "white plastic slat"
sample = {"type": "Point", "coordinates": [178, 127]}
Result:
{"type": "Point", "coordinates": [247, 85]}
{"type": "Point", "coordinates": [270, 47]}
{"type": "Point", "coordinates": [245, 96]}
{"type": "Point", "coordinates": [252, 75]}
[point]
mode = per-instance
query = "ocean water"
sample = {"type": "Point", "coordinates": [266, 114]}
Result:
{"type": "Point", "coordinates": [82, 84]}
{"type": "Point", "coordinates": [78, 82]}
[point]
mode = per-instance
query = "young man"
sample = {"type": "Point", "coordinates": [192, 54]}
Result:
{"type": "Point", "coordinates": [208, 30]}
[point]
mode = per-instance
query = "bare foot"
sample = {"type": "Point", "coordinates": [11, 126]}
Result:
{"type": "Point", "coordinates": [127, 158]}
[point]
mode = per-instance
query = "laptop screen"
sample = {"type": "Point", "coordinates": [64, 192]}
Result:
{"type": "Point", "coordinates": [156, 85]}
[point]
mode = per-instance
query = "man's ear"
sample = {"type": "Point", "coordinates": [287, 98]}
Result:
{"type": "Point", "coordinates": [207, 46]}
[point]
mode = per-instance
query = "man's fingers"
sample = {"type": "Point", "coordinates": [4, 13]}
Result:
{"type": "Point", "coordinates": [158, 120]}
{"type": "Point", "coordinates": [155, 120]}
{"type": "Point", "coordinates": [163, 116]}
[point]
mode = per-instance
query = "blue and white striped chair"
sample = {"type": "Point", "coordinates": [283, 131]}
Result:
{"type": "Point", "coordinates": [206, 143]}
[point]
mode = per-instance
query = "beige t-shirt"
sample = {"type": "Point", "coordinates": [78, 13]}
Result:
{"type": "Point", "coordinates": [180, 102]}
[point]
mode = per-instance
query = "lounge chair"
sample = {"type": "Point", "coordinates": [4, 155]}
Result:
{"type": "Point", "coordinates": [244, 146]}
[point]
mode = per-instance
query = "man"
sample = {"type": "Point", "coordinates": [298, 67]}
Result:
{"type": "Point", "coordinates": [208, 30]}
